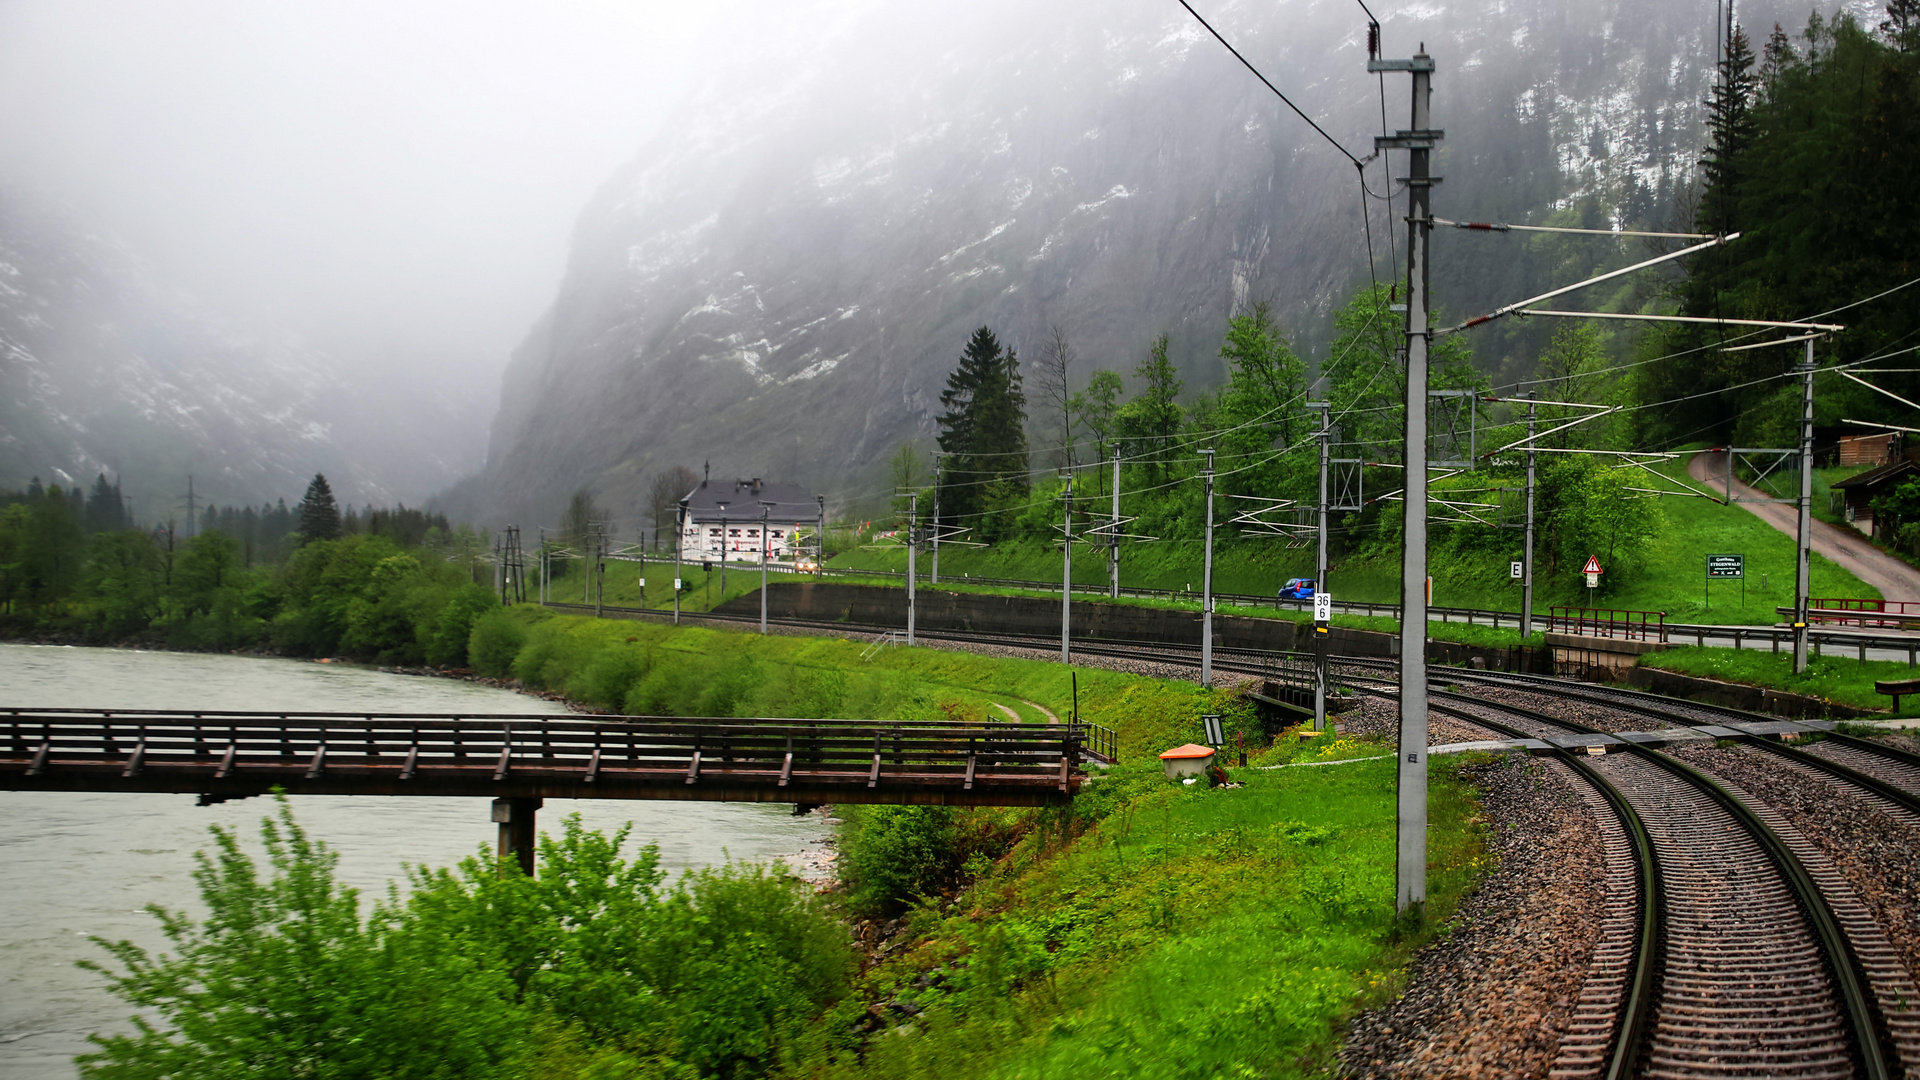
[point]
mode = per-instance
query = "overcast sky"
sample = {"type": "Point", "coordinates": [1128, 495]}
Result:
{"type": "Point", "coordinates": [395, 179]}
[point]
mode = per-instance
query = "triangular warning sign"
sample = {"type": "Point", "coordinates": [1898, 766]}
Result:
{"type": "Point", "coordinates": [1593, 565]}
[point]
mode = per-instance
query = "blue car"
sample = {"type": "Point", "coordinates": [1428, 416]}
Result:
{"type": "Point", "coordinates": [1300, 588]}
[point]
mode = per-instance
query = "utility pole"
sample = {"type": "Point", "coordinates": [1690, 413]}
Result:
{"type": "Point", "coordinates": [913, 518]}
{"type": "Point", "coordinates": [1526, 568]}
{"type": "Point", "coordinates": [599, 573]}
{"type": "Point", "coordinates": [1320, 570]}
{"type": "Point", "coordinates": [679, 543]}
{"type": "Point", "coordinates": [935, 579]}
{"type": "Point", "coordinates": [1113, 551]}
{"type": "Point", "coordinates": [1410, 871]}
{"type": "Point", "coordinates": [1801, 572]}
{"type": "Point", "coordinates": [1066, 577]}
{"type": "Point", "coordinates": [725, 539]}
{"type": "Point", "coordinates": [820, 556]}
{"type": "Point", "coordinates": [763, 569]}
{"type": "Point", "coordinates": [193, 518]}
{"type": "Point", "coordinates": [1206, 583]}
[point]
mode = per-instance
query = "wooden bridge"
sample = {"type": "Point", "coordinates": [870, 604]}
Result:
{"type": "Point", "coordinates": [519, 760]}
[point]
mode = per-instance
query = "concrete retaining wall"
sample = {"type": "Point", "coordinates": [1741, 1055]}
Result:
{"type": "Point", "coordinates": [1741, 695]}
{"type": "Point", "coordinates": [880, 606]}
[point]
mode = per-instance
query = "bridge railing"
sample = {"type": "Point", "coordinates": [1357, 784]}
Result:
{"type": "Point", "coordinates": [1619, 623]}
{"type": "Point", "coordinates": [224, 746]}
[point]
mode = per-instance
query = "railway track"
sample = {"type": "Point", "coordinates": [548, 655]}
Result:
{"type": "Point", "coordinates": [1763, 963]}
{"type": "Point", "coordinates": [1730, 945]}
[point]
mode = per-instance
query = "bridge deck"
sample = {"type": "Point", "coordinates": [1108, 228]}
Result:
{"type": "Point", "coordinates": [223, 755]}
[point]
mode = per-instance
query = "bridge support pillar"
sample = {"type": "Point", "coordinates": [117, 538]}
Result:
{"type": "Point", "coordinates": [517, 832]}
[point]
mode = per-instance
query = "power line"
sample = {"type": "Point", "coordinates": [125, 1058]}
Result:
{"type": "Point", "coordinates": [1276, 90]}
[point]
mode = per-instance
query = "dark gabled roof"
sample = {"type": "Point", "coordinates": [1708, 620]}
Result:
{"type": "Point", "coordinates": [741, 499]}
{"type": "Point", "coordinates": [1876, 476]}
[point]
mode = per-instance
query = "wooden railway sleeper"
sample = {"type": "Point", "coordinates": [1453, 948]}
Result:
{"type": "Point", "coordinates": [1857, 1005]}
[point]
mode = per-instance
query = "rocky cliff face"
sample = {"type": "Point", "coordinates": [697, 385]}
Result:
{"type": "Point", "coordinates": [104, 369]}
{"type": "Point", "coordinates": [782, 281]}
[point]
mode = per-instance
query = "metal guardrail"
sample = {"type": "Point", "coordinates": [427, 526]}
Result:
{"type": "Point", "coordinates": [238, 753]}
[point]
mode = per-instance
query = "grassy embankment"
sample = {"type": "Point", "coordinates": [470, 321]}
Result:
{"type": "Point", "coordinates": [1150, 929]}
{"type": "Point", "coordinates": [1839, 679]}
{"type": "Point", "coordinates": [1669, 576]}
{"type": "Point", "coordinates": [1186, 932]}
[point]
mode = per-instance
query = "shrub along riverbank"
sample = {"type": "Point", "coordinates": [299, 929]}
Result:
{"type": "Point", "coordinates": [1148, 929]}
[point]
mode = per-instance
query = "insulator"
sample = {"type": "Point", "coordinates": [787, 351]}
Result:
{"type": "Point", "coordinates": [1373, 39]}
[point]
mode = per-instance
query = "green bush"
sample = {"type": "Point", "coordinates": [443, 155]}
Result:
{"type": "Point", "coordinates": [283, 977]}
{"type": "Point", "coordinates": [597, 968]}
{"type": "Point", "coordinates": [893, 856]}
{"type": "Point", "coordinates": [496, 640]}
{"type": "Point", "coordinates": [452, 633]}
{"type": "Point", "coordinates": [608, 677]}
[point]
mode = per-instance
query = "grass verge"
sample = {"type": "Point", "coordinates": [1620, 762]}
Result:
{"type": "Point", "coordinates": [1842, 680]}
{"type": "Point", "coordinates": [1165, 931]}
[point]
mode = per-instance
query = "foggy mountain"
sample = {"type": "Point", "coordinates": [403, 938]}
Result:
{"type": "Point", "coordinates": [780, 283]}
{"type": "Point", "coordinates": [103, 368]}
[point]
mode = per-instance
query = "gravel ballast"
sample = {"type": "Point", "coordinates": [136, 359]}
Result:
{"type": "Point", "coordinates": [1876, 847]}
{"type": "Point", "coordinates": [1495, 995]}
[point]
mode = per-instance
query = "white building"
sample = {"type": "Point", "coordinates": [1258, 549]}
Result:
{"type": "Point", "coordinates": [726, 517]}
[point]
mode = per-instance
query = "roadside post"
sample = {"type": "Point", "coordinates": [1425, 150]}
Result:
{"type": "Point", "coordinates": [1206, 583]}
{"type": "Point", "coordinates": [1593, 572]}
{"type": "Point", "coordinates": [1322, 615]}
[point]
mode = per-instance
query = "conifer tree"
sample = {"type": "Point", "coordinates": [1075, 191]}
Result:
{"type": "Point", "coordinates": [983, 431]}
{"type": "Point", "coordinates": [1730, 122]}
{"type": "Point", "coordinates": [318, 514]}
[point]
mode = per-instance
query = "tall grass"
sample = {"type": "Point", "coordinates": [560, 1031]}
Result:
{"type": "Point", "coordinates": [1191, 932]}
{"type": "Point", "coordinates": [659, 670]}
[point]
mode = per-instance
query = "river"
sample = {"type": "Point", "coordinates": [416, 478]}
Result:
{"type": "Point", "coordinates": [78, 866]}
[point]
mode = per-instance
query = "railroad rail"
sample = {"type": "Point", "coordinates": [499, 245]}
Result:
{"type": "Point", "coordinates": [1764, 962]}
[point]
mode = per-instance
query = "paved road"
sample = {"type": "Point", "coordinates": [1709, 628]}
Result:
{"type": "Point", "coordinates": [1843, 547]}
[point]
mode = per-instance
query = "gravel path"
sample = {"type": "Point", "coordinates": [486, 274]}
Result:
{"type": "Point", "coordinates": [1494, 997]}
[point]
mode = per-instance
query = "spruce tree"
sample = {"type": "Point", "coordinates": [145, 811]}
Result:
{"type": "Point", "coordinates": [983, 431]}
{"type": "Point", "coordinates": [318, 514]}
{"type": "Point", "coordinates": [1730, 123]}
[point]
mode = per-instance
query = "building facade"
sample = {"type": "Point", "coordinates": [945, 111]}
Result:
{"type": "Point", "coordinates": [723, 520]}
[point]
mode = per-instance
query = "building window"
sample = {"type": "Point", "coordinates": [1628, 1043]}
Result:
{"type": "Point", "coordinates": [775, 534]}
{"type": "Point", "coordinates": [733, 532]}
